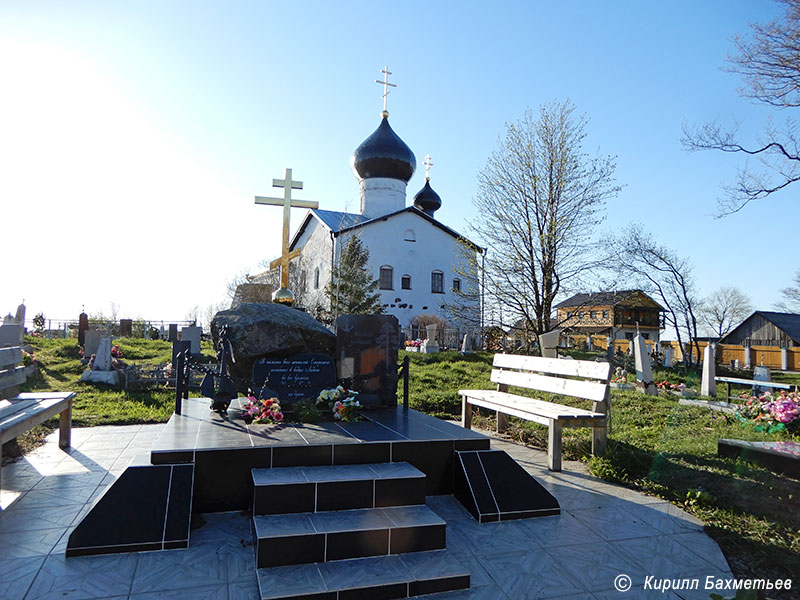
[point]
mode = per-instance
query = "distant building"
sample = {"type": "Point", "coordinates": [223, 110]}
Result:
{"type": "Point", "coordinates": [614, 314]}
{"type": "Point", "coordinates": [764, 328]}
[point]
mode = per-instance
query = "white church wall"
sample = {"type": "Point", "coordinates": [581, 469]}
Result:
{"type": "Point", "coordinates": [315, 242]}
{"type": "Point", "coordinates": [432, 250]}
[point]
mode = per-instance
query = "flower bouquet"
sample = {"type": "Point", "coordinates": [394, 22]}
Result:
{"type": "Point", "coordinates": [262, 412]}
{"type": "Point", "coordinates": [342, 402]}
{"type": "Point", "coordinates": [771, 413]}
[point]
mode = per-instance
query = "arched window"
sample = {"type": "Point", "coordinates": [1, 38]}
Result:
{"type": "Point", "coordinates": [409, 236]}
{"type": "Point", "coordinates": [386, 278]}
{"type": "Point", "coordinates": [437, 282]}
{"type": "Point", "coordinates": [405, 282]}
{"type": "Point", "coordinates": [456, 285]}
{"type": "Point", "coordinates": [316, 278]}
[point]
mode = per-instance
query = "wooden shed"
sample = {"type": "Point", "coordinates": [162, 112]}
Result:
{"type": "Point", "coordinates": [764, 328]}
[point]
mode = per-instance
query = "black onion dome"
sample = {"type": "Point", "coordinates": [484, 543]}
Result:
{"type": "Point", "coordinates": [384, 154]}
{"type": "Point", "coordinates": [427, 200]}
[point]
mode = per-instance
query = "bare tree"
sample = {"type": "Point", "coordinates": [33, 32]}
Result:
{"type": "Point", "coordinates": [540, 198]}
{"type": "Point", "coordinates": [769, 61]}
{"type": "Point", "coordinates": [791, 296]}
{"type": "Point", "coordinates": [660, 272]}
{"type": "Point", "coordinates": [724, 309]}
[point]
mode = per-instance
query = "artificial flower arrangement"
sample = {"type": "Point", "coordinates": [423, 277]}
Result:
{"type": "Point", "coordinates": [342, 402]}
{"type": "Point", "coordinates": [262, 412]}
{"type": "Point", "coordinates": [771, 412]}
{"type": "Point", "coordinates": [620, 376]}
{"type": "Point", "coordinates": [29, 359]}
{"type": "Point", "coordinates": [413, 343]}
{"type": "Point", "coordinates": [116, 352]}
{"type": "Point", "coordinates": [671, 387]}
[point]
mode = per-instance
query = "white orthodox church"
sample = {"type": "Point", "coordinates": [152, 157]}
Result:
{"type": "Point", "coordinates": [418, 261]}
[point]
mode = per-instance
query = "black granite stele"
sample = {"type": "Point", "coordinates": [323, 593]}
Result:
{"type": "Point", "coordinates": [148, 507]}
{"type": "Point", "coordinates": [493, 487]}
{"type": "Point", "coordinates": [295, 377]}
{"type": "Point", "coordinates": [782, 457]}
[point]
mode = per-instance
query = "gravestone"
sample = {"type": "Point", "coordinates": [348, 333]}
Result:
{"type": "Point", "coordinates": [11, 335]}
{"type": "Point", "coordinates": [761, 374]}
{"type": "Point", "coordinates": [83, 327]}
{"type": "Point", "coordinates": [366, 354]}
{"type": "Point", "coordinates": [609, 347]}
{"type": "Point", "coordinates": [294, 378]}
{"type": "Point", "coordinates": [432, 345]}
{"type": "Point", "coordinates": [91, 341]}
{"type": "Point", "coordinates": [126, 327]}
{"type": "Point", "coordinates": [708, 385]}
{"type": "Point", "coordinates": [644, 370]}
{"type": "Point", "coordinates": [589, 345]}
{"type": "Point", "coordinates": [101, 371]}
{"type": "Point", "coordinates": [20, 318]}
{"type": "Point", "coordinates": [465, 346]}
{"type": "Point", "coordinates": [192, 335]}
{"type": "Point", "coordinates": [668, 356]}
{"type": "Point", "coordinates": [173, 332]}
{"type": "Point", "coordinates": [548, 342]}
{"type": "Point", "coordinates": [784, 359]}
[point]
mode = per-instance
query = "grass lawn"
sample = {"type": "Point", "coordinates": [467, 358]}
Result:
{"type": "Point", "coordinates": [657, 446]}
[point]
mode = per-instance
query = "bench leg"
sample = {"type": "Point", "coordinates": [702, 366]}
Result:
{"type": "Point", "coordinates": [502, 422]}
{"type": "Point", "coordinates": [466, 414]}
{"type": "Point", "coordinates": [554, 446]}
{"type": "Point", "coordinates": [65, 427]}
{"type": "Point", "coordinates": [599, 437]}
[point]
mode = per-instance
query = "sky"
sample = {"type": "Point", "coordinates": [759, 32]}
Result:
{"type": "Point", "coordinates": [134, 136]}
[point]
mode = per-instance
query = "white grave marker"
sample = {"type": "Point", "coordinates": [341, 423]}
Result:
{"type": "Point", "coordinates": [708, 386]}
{"type": "Point", "coordinates": [644, 370]}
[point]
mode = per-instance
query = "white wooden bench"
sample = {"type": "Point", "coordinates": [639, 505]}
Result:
{"type": "Point", "coordinates": [588, 380]}
{"type": "Point", "coordinates": [749, 382]}
{"type": "Point", "coordinates": [21, 412]}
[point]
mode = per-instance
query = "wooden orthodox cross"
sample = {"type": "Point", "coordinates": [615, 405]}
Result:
{"type": "Point", "coordinates": [284, 294]}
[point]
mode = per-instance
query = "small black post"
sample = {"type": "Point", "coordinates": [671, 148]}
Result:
{"type": "Point", "coordinates": [178, 370]}
{"type": "Point", "coordinates": [406, 365]}
{"type": "Point", "coordinates": [187, 355]}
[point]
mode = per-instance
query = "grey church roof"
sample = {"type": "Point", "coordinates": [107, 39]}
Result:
{"type": "Point", "coordinates": [340, 222]}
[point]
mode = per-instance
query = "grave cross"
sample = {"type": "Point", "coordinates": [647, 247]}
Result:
{"type": "Point", "coordinates": [284, 295]}
{"type": "Point", "coordinates": [386, 85]}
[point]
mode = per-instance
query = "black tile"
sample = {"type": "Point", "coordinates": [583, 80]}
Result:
{"type": "Point", "coordinates": [367, 431]}
{"type": "Point", "coordinates": [399, 492]}
{"type": "Point", "coordinates": [180, 503]}
{"type": "Point", "coordinates": [477, 489]}
{"type": "Point", "coordinates": [325, 433]}
{"type": "Point", "coordinates": [360, 453]}
{"type": "Point", "coordinates": [223, 480]}
{"type": "Point", "coordinates": [148, 547]}
{"type": "Point", "coordinates": [176, 545]}
{"type": "Point", "coordinates": [301, 456]}
{"type": "Point", "coordinates": [377, 592]}
{"type": "Point", "coordinates": [514, 489]}
{"type": "Point", "coordinates": [344, 495]}
{"type": "Point", "coordinates": [476, 444]}
{"type": "Point", "coordinates": [131, 511]}
{"type": "Point", "coordinates": [434, 458]}
{"type": "Point", "coordinates": [320, 596]}
{"type": "Point", "coordinates": [440, 584]}
{"type": "Point", "coordinates": [417, 539]}
{"type": "Point", "coordinates": [166, 457]}
{"type": "Point", "coordinates": [489, 518]}
{"type": "Point", "coordinates": [290, 550]}
{"type": "Point", "coordinates": [284, 498]}
{"type": "Point", "coordinates": [357, 544]}
{"type": "Point", "coordinates": [529, 514]}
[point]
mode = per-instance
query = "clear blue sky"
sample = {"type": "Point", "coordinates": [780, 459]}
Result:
{"type": "Point", "coordinates": [134, 132]}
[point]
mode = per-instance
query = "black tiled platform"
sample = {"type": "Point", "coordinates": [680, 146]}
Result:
{"type": "Point", "coordinates": [225, 450]}
{"type": "Point", "coordinates": [783, 457]}
{"type": "Point", "coordinates": [493, 487]}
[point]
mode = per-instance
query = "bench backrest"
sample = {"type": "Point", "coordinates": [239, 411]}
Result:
{"type": "Point", "coordinates": [542, 374]}
{"type": "Point", "coordinates": [12, 373]}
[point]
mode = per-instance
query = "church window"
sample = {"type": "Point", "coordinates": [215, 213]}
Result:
{"type": "Point", "coordinates": [437, 282]}
{"type": "Point", "coordinates": [405, 282]}
{"type": "Point", "coordinates": [386, 278]}
{"type": "Point", "coordinates": [456, 285]}
{"type": "Point", "coordinates": [409, 236]}
{"type": "Point", "coordinates": [316, 278]}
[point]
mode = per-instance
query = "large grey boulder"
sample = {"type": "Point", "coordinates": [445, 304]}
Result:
{"type": "Point", "coordinates": [271, 330]}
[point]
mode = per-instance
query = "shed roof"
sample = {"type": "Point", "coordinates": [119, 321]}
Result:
{"type": "Point", "coordinates": [788, 323]}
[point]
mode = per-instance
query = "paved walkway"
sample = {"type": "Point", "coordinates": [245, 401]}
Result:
{"type": "Point", "coordinates": [604, 531]}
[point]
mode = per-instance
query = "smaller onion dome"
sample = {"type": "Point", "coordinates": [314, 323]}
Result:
{"type": "Point", "coordinates": [384, 154]}
{"type": "Point", "coordinates": [427, 200]}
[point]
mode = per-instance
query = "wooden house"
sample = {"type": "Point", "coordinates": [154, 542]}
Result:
{"type": "Point", "coordinates": [614, 314]}
{"type": "Point", "coordinates": [764, 328]}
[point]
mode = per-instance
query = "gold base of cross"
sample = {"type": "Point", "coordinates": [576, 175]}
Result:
{"type": "Point", "coordinates": [283, 296]}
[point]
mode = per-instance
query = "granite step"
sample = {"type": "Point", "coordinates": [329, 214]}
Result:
{"type": "Point", "coordinates": [396, 576]}
{"type": "Point", "coordinates": [312, 537]}
{"type": "Point", "coordinates": [283, 490]}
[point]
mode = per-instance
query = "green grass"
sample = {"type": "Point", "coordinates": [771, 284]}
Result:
{"type": "Point", "coordinates": [661, 448]}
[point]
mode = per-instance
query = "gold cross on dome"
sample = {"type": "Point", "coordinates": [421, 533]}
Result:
{"type": "Point", "coordinates": [386, 85]}
{"type": "Point", "coordinates": [284, 295]}
{"type": "Point", "coordinates": [428, 164]}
